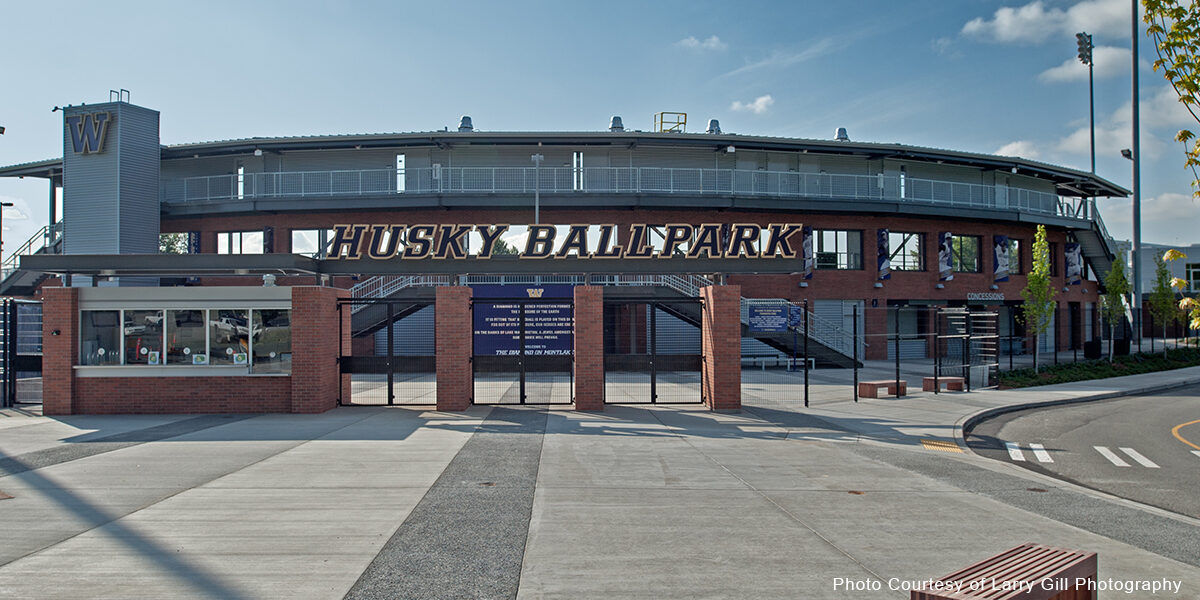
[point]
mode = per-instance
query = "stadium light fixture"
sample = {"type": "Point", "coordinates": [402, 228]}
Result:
{"type": "Point", "coordinates": [1084, 41]}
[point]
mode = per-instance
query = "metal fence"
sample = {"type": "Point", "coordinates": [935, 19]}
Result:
{"type": "Point", "coordinates": [632, 180]}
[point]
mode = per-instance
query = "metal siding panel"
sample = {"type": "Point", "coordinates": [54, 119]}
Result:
{"type": "Point", "coordinates": [139, 161]}
{"type": "Point", "coordinates": [90, 191]}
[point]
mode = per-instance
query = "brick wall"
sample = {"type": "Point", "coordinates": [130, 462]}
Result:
{"type": "Point", "coordinates": [183, 395]}
{"type": "Point", "coordinates": [589, 348]}
{"type": "Point", "coordinates": [720, 341]}
{"type": "Point", "coordinates": [453, 327]}
{"type": "Point", "coordinates": [316, 346]}
{"type": "Point", "coordinates": [60, 312]}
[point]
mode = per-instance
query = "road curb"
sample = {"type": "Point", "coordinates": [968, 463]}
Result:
{"type": "Point", "coordinates": [967, 423]}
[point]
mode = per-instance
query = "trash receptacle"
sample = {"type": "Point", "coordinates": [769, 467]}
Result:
{"type": "Point", "coordinates": [1091, 350]}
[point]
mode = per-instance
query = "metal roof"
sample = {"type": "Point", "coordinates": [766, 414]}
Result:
{"type": "Point", "coordinates": [1070, 182]}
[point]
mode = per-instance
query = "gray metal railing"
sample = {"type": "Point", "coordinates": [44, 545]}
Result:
{"type": "Point", "coordinates": [610, 180]}
{"type": "Point", "coordinates": [47, 236]}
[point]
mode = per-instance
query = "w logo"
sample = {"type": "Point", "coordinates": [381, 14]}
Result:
{"type": "Point", "coordinates": [87, 131]}
{"type": "Point", "coordinates": [535, 292]}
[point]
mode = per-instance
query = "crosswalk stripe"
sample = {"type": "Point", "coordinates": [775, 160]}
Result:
{"type": "Point", "coordinates": [1014, 451]}
{"type": "Point", "coordinates": [1135, 455]}
{"type": "Point", "coordinates": [1111, 456]}
{"type": "Point", "coordinates": [1196, 452]}
{"type": "Point", "coordinates": [1040, 452]}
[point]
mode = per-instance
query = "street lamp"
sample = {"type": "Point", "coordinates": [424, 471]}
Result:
{"type": "Point", "coordinates": [537, 184]}
{"type": "Point", "coordinates": [1084, 41]}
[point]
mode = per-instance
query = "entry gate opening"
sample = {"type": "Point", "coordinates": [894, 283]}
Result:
{"type": "Point", "coordinates": [523, 348]}
{"type": "Point", "coordinates": [20, 352]}
{"type": "Point", "coordinates": [652, 351]}
{"type": "Point", "coordinates": [392, 352]}
{"type": "Point", "coordinates": [968, 346]}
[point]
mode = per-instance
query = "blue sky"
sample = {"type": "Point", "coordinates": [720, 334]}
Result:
{"type": "Point", "coordinates": [977, 75]}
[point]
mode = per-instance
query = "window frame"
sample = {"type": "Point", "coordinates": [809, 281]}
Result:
{"type": "Point", "coordinates": [819, 245]}
{"type": "Point", "coordinates": [241, 242]}
{"type": "Point", "coordinates": [894, 251]}
{"type": "Point", "coordinates": [956, 240]}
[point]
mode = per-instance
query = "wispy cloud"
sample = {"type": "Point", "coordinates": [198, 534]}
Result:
{"type": "Point", "coordinates": [1109, 62]}
{"type": "Point", "coordinates": [758, 106]}
{"type": "Point", "coordinates": [1161, 112]}
{"type": "Point", "coordinates": [713, 43]}
{"type": "Point", "coordinates": [780, 58]}
{"type": "Point", "coordinates": [1036, 23]}
{"type": "Point", "coordinates": [1021, 148]}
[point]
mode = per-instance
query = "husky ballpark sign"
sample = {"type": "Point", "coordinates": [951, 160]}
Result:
{"type": "Point", "coordinates": [710, 240]}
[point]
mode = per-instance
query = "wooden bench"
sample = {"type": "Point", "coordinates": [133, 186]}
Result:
{"type": "Point", "coordinates": [955, 384]}
{"type": "Point", "coordinates": [1029, 572]}
{"type": "Point", "coordinates": [870, 389]}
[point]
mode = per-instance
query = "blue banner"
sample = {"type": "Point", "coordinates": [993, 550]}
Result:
{"type": "Point", "coordinates": [1074, 263]}
{"type": "Point", "coordinates": [885, 255]}
{"type": "Point", "coordinates": [806, 252]}
{"type": "Point", "coordinates": [1000, 257]}
{"type": "Point", "coordinates": [769, 318]}
{"type": "Point", "coordinates": [945, 255]}
{"type": "Point", "coordinates": [549, 327]}
{"type": "Point", "coordinates": [795, 317]}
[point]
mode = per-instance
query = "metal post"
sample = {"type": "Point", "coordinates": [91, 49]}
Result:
{"type": "Point", "coordinates": [521, 356]}
{"type": "Point", "coordinates": [1012, 335]}
{"type": "Point", "coordinates": [1137, 177]}
{"type": "Point", "coordinates": [1056, 322]}
{"type": "Point", "coordinates": [897, 348]}
{"type": "Point", "coordinates": [537, 186]}
{"type": "Point", "coordinates": [1152, 334]}
{"type": "Point", "coordinates": [652, 339]}
{"type": "Point", "coordinates": [854, 341]}
{"type": "Point", "coordinates": [806, 336]}
{"type": "Point", "coordinates": [937, 356]}
{"type": "Point", "coordinates": [391, 353]}
{"type": "Point", "coordinates": [966, 348]}
{"type": "Point", "coordinates": [5, 399]}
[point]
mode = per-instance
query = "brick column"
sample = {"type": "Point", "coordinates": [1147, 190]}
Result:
{"type": "Point", "coordinates": [60, 351]}
{"type": "Point", "coordinates": [316, 346]}
{"type": "Point", "coordinates": [453, 330]}
{"type": "Point", "coordinates": [875, 326]}
{"type": "Point", "coordinates": [721, 345]}
{"type": "Point", "coordinates": [589, 348]}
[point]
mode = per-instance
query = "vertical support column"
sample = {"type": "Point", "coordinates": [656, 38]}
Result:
{"type": "Point", "coordinates": [875, 323]}
{"type": "Point", "coordinates": [453, 331]}
{"type": "Point", "coordinates": [721, 345]}
{"type": "Point", "coordinates": [60, 348]}
{"type": "Point", "coordinates": [588, 348]}
{"type": "Point", "coordinates": [318, 338]}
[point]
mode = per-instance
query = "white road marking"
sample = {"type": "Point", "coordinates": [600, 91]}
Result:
{"type": "Point", "coordinates": [1142, 460]}
{"type": "Point", "coordinates": [1040, 452]}
{"type": "Point", "coordinates": [1196, 452]}
{"type": "Point", "coordinates": [1112, 457]}
{"type": "Point", "coordinates": [1014, 451]}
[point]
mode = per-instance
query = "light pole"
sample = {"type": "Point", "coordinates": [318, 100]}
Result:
{"type": "Point", "coordinates": [537, 184]}
{"type": "Point", "coordinates": [1137, 180]}
{"type": "Point", "coordinates": [1084, 41]}
{"type": "Point", "coordinates": [2, 207]}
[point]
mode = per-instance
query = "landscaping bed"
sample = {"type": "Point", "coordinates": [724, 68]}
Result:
{"type": "Point", "coordinates": [1132, 364]}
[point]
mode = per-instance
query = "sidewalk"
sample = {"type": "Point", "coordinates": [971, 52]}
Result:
{"type": "Point", "coordinates": [634, 502]}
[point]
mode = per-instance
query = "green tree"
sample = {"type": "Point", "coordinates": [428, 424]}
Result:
{"type": "Point", "coordinates": [504, 248]}
{"type": "Point", "coordinates": [172, 243]}
{"type": "Point", "coordinates": [1112, 304]}
{"type": "Point", "coordinates": [1189, 305]}
{"type": "Point", "coordinates": [1162, 298]}
{"type": "Point", "coordinates": [1175, 27]}
{"type": "Point", "coordinates": [1038, 310]}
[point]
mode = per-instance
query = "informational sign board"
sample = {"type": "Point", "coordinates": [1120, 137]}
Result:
{"type": "Point", "coordinates": [769, 318]}
{"type": "Point", "coordinates": [549, 326]}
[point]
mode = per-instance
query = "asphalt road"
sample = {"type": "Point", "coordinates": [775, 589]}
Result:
{"type": "Point", "coordinates": [1143, 448]}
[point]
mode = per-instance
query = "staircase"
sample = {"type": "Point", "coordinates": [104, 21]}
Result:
{"type": "Point", "coordinates": [15, 282]}
{"type": "Point", "coordinates": [1097, 247]}
{"type": "Point", "coordinates": [829, 344]}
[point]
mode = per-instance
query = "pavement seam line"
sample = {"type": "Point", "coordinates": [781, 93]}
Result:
{"type": "Point", "coordinates": [165, 498]}
{"type": "Point", "coordinates": [532, 503]}
{"type": "Point", "coordinates": [770, 500]}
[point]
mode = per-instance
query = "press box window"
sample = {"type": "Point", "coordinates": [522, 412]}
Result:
{"type": "Point", "coordinates": [906, 251]}
{"type": "Point", "coordinates": [309, 241]}
{"type": "Point", "coordinates": [271, 340]}
{"type": "Point", "coordinates": [966, 254]}
{"type": "Point", "coordinates": [839, 249]}
{"type": "Point", "coordinates": [240, 242]}
{"type": "Point", "coordinates": [229, 337]}
{"type": "Point", "coordinates": [100, 337]}
{"type": "Point", "coordinates": [186, 338]}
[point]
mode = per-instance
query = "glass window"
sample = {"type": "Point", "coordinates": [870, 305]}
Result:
{"type": "Point", "coordinates": [966, 254]}
{"type": "Point", "coordinates": [838, 249]}
{"type": "Point", "coordinates": [308, 241]}
{"type": "Point", "coordinates": [271, 332]}
{"type": "Point", "coordinates": [100, 337]}
{"type": "Point", "coordinates": [1193, 276]}
{"type": "Point", "coordinates": [907, 251]}
{"type": "Point", "coordinates": [240, 242]}
{"type": "Point", "coordinates": [229, 337]}
{"type": "Point", "coordinates": [186, 343]}
{"type": "Point", "coordinates": [1015, 262]}
{"type": "Point", "coordinates": [143, 337]}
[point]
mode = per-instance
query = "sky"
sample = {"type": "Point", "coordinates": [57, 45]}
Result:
{"type": "Point", "coordinates": [973, 75]}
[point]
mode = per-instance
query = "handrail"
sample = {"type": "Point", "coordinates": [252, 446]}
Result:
{"type": "Point", "coordinates": [610, 180]}
{"type": "Point", "coordinates": [48, 235]}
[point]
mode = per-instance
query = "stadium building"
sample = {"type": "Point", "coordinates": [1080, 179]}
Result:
{"type": "Point", "coordinates": [470, 266]}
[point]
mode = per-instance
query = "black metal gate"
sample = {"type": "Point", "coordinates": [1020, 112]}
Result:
{"type": "Point", "coordinates": [20, 352]}
{"type": "Point", "coordinates": [652, 351]}
{"type": "Point", "coordinates": [968, 346]}
{"type": "Point", "coordinates": [392, 359]}
{"type": "Point", "coordinates": [523, 352]}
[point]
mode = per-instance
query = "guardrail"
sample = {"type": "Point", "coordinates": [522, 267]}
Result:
{"type": "Point", "coordinates": [617, 180]}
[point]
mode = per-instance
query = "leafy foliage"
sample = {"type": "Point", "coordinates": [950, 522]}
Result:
{"type": "Point", "coordinates": [1099, 369]}
{"type": "Point", "coordinates": [172, 243]}
{"type": "Point", "coordinates": [1187, 304]}
{"type": "Point", "coordinates": [1175, 27]}
{"type": "Point", "coordinates": [504, 248]}
{"type": "Point", "coordinates": [1038, 308]}
{"type": "Point", "coordinates": [1116, 287]}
